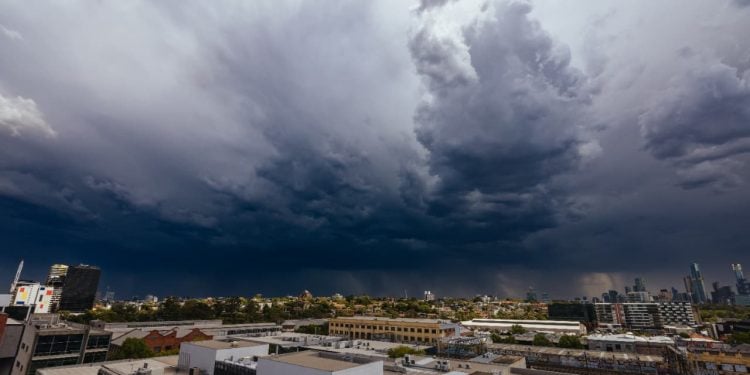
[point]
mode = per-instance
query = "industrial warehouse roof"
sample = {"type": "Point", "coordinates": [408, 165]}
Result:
{"type": "Point", "coordinates": [592, 354]}
{"type": "Point", "coordinates": [533, 325]}
{"type": "Point", "coordinates": [216, 344]}
{"type": "Point", "coordinates": [631, 338]}
{"type": "Point", "coordinates": [290, 339]}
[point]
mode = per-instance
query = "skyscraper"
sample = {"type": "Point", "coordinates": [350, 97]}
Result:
{"type": "Point", "coordinates": [79, 291]}
{"type": "Point", "coordinates": [640, 285]}
{"type": "Point", "coordinates": [737, 269]}
{"type": "Point", "coordinates": [56, 279]}
{"type": "Point", "coordinates": [743, 287]}
{"type": "Point", "coordinates": [698, 288]}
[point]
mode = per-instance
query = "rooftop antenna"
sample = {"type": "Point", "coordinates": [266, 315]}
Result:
{"type": "Point", "coordinates": [18, 276]}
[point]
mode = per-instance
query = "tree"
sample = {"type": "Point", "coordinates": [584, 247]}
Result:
{"type": "Point", "coordinates": [740, 338]}
{"type": "Point", "coordinates": [133, 348]}
{"type": "Point", "coordinates": [498, 339]}
{"type": "Point", "coordinates": [170, 310]}
{"type": "Point", "coordinates": [570, 341]}
{"type": "Point", "coordinates": [541, 339]}
{"type": "Point", "coordinates": [517, 329]}
{"type": "Point", "coordinates": [193, 309]}
{"type": "Point", "coordinates": [403, 350]}
{"type": "Point", "coordinates": [313, 329]}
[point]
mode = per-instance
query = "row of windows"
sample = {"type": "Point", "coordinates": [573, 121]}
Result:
{"type": "Point", "coordinates": [58, 344]}
{"type": "Point", "coordinates": [97, 342]}
{"type": "Point", "coordinates": [367, 336]}
{"type": "Point", "coordinates": [95, 357]}
{"type": "Point", "coordinates": [386, 328]}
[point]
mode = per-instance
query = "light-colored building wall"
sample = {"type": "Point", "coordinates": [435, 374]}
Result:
{"type": "Point", "coordinates": [204, 356]}
{"type": "Point", "coordinates": [401, 330]}
{"type": "Point", "coordinates": [268, 366]}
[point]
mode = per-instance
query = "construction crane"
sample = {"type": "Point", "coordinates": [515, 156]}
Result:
{"type": "Point", "coordinates": [18, 276]}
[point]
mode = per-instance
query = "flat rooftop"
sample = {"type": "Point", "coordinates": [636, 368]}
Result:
{"type": "Point", "coordinates": [493, 365]}
{"type": "Point", "coordinates": [384, 319]}
{"type": "Point", "coordinates": [290, 339]}
{"type": "Point", "coordinates": [363, 347]}
{"type": "Point", "coordinates": [528, 321]}
{"type": "Point", "coordinates": [576, 353]}
{"type": "Point", "coordinates": [166, 364]}
{"type": "Point", "coordinates": [314, 360]}
{"type": "Point", "coordinates": [215, 344]}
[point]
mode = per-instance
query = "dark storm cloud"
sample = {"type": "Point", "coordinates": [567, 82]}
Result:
{"type": "Point", "coordinates": [701, 121]}
{"type": "Point", "coordinates": [361, 147]}
{"type": "Point", "coordinates": [505, 114]}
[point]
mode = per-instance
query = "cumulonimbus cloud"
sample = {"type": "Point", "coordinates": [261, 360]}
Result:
{"type": "Point", "coordinates": [21, 117]}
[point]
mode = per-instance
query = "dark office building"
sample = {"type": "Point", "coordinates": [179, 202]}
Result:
{"type": "Point", "coordinates": [81, 284]}
{"type": "Point", "coordinates": [722, 295]}
{"type": "Point", "coordinates": [577, 312]}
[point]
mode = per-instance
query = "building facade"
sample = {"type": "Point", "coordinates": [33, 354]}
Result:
{"type": "Point", "coordinates": [645, 315]}
{"type": "Point", "coordinates": [48, 342]}
{"type": "Point", "coordinates": [34, 295]}
{"type": "Point", "coordinates": [205, 354]}
{"type": "Point", "coordinates": [161, 340]}
{"type": "Point", "coordinates": [56, 280]}
{"type": "Point", "coordinates": [577, 312]}
{"type": "Point", "coordinates": [79, 291]}
{"type": "Point", "coordinates": [399, 330]}
{"type": "Point", "coordinates": [697, 285]}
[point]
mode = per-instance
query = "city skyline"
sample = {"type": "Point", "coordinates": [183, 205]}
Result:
{"type": "Point", "coordinates": [654, 291]}
{"type": "Point", "coordinates": [472, 147]}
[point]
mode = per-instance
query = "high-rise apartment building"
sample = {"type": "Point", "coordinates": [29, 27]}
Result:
{"type": "Point", "coordinates": [79, 291]}
{"type": "Point", "coordinates": [743, 286]}
{"type": "Point", "coordinates": [645, 315]}
{"type": "Point", "coordinates": [640, 285]}
{"type": "Point", "coordinates": [56, 280]}
{"type": "Point", "coordinates": [697, 285]}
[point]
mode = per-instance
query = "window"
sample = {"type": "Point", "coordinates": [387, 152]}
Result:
{"type": "Point", "coordinates": [95, 357]}
{"type": "Point", "coordinates": [97, 342]}
{"type": "Point", "coordinates": [52, 363]}
{"type": "Point", "coordinates": [58, 344]}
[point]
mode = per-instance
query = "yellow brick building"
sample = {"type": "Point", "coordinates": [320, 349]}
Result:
{"type": "Point", "coordinates": [397, 330]}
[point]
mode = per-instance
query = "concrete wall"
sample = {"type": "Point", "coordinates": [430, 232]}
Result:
{"type": "Point", "coordinates": [269, 367]}
{"type": "Point", "coordinates": [235, 353]}
{"type": "Point", "coordinates": [197, 356]}
{"type": "Point", "coordinates": [192, 355]}
{"type": "Point", "coordinates": [374, 368]}
{"type": "Point", "coordinates": [10, 340]}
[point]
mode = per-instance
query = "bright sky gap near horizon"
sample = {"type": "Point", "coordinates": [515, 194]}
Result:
{"type": "Point", "coordinates": [463, 147]}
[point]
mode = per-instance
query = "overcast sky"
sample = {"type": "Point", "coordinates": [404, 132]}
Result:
{"type": "Point", "coordinates": [241, 147]}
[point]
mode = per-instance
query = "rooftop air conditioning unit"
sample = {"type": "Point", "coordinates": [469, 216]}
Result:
{"type": "Point", "coordinates": [194, 371]}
